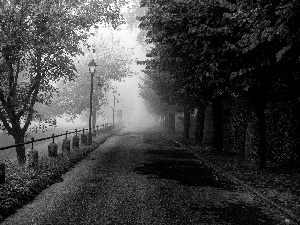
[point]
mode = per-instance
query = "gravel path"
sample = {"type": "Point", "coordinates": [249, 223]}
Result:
{"type": "Point", "coordinates": [141, 178]}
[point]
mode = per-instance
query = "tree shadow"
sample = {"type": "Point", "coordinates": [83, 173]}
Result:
{"type": "Point", "coordinates": [176, 154]}
{"type": "Point", "coordinates": [187, 173]}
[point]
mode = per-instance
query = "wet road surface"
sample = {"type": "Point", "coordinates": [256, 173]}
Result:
{"type": "Point", "coordinates": [142, 178]}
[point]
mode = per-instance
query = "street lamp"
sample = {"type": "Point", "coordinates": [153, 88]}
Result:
{"type": "Point", "coordinates": [114, 92]}
{"type": "Point", "coordinates": [92, 67]}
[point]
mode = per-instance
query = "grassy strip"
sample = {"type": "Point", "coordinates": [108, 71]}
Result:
{"type": "Point", "coordinates": [281, 185]}
{"type": "Point", "coordinates": [23, 184]}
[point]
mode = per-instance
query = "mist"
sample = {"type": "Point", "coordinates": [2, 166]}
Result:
{"type": "Point", "coordinates": [127, 99]}
{"type": "Point", "coordinates": [109, 44]}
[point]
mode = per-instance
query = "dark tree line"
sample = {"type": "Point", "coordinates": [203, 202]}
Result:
{"type": "Point", "coordinates": [241, 52]}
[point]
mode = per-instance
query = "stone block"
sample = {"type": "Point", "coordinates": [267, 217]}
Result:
{"type": "Point", "coordinates": [32, 157]}
{"type": "Point", "coordinates": [66, 146]}
{"type": "Point", "coordinates": [52, 149]}
{"type": "Point", "coordinates": [84, 139]}
{"type": "Point", "coordinates": [75, 142]}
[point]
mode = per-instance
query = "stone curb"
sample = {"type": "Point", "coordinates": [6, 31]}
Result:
{"type": "Point", "coordinates": [285, 212]}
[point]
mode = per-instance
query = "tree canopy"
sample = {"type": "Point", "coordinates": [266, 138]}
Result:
{"type": "Point", "coordinates": [208, 48]}
{"type": "Point", "coordinates": [38, 40]}
{"type": "Point", "coordinates": [113, 65]}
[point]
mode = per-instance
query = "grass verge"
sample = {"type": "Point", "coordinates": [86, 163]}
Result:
{"type": "Point", "coordinates": [23, 184]}
{"type": "Point", "coordinates": [280, 185]}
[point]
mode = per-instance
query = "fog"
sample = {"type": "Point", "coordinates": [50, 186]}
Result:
{"type": "Point", "coordinates": [138, 117]}
{"type": "Point", "coordinates": [108, 43]}
{"type": "Point", "coordinates": [134, 113]}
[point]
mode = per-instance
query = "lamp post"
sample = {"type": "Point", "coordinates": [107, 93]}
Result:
{"type": "Point", "coordinates": [114, 92]}
{"type": "Point", "coordinates": [92, 67]}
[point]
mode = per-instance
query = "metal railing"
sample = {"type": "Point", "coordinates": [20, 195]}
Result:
{"type": "Point", "coordinates": [53, 136]}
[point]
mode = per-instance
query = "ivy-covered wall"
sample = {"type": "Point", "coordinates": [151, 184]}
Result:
{"type": "Point", "coordinates": [235, 124]}
{"type": "Point", "coordinates": [240, 132]}
{"type": "Point", "coordinates": [283, 134]}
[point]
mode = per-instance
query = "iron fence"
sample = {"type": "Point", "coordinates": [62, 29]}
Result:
{"type": "Point", "coordinates": [53, 136]}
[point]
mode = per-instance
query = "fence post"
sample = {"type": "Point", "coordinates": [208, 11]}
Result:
{"type": "Point", "coordinates": [83, 138]}
{"type": "Point", "coordinates": [2, 172]}
{"type": "Point", "coordinates": [52, 148]}
{"type": "Point", "coordinates": [75, 142]}
{"type": "Point", "coordinates": [66, 145]}
{"type": "Point", "coordinates": [32, 156]}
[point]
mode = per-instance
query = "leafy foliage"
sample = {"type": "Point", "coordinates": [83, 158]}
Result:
{"type": "Point", "coordinates": [240, 48]}
{"type": "Point", "coordinates": [113, 65]}
{"type": "Point", "coordinates": [155, 103]}
{"type": "Point", "coordinates": [23, 184]}
{"type": "Point", "coordinates": [188, 45]}
{"type": "Point", "coordinates": [37, 42]}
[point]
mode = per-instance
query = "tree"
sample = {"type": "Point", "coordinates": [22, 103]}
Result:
{"type": "Point", "coordinates": [156, 102]}
{"type": "Point", "coordinates": [37, 44]}
{"type": "Point", "coordinates": [113, 64]}
{"type": "Point", "coordinates": [267, 66]}
{"type": "Point", "coordinates": [187, 38]}
{"type": "Point", "coordinates": [200, 119]}
{"type": "Point", "coordinates": [214, 49]}
{"type": "Point", "coordinates": [133, 12]}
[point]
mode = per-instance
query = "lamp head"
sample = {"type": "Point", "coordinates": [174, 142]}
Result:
{"type": "Point", "coordinates": [92, 66]}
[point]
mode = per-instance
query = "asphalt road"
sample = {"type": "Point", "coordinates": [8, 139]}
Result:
{"type": "Point", "coordinates": [141, 178]}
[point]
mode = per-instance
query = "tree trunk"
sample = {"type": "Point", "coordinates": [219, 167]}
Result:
{"type": "Point", "coordinates": [19, 138]}
{"type": "Point", "coordinates": [260, 106]}
{"type": "Point", "coordinates": [200, 123]}
{"type": "Point", "coordinates": [161, 121]}
{"type": "Point", "coordinates": [186, 125]}
{"type": "Point", "coordinates": [172, 122]}
{"type": "Point", "coordinates": [217, 114]}
{"type": "Point", "coordinates": [295, 159]}
{"type": "Point", "coordinates": [165, 121]}
{"type": "Point", "coordinates": [243, 146]}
